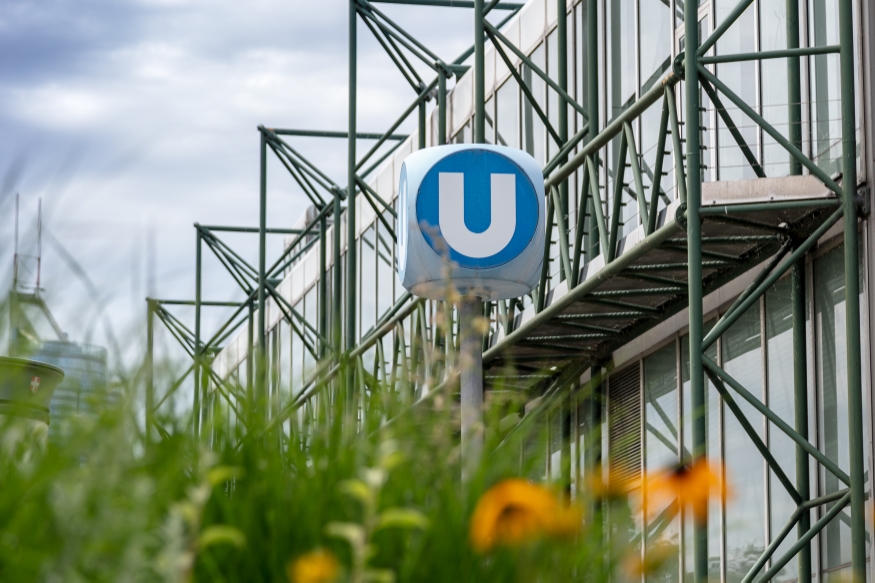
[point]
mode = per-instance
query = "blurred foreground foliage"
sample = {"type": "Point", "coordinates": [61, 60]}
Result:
{"type": "Point", "coordinates": [317, 502]}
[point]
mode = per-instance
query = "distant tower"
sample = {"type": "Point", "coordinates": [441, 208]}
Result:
{"type": "Point", "coordinates": [83, 390]}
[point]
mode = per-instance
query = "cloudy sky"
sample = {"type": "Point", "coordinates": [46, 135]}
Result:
{"type": "Point", "coordinates": [133, 119]}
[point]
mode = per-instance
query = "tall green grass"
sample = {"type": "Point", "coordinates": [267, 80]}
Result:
{"type": "Point", "coordinates": [109, 505]}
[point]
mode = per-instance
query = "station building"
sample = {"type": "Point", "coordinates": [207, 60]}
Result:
{"type": "Point", "coordinates": [642, 362]}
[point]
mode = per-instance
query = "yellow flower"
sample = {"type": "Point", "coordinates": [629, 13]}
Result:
{"type": "Point", "coordinates": [315, 567]}
{"type": "Point", "coordinates": [691, 485]}
{"type": "Point", "coordinates": [515, 511]}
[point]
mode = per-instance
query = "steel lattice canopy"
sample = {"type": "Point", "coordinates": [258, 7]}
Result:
{"type": "Point", "coordinates": [744, 223]}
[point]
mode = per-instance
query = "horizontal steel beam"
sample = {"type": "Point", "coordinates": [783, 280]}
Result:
{"type": "Point", "coordinates": [601, 316]}
{"type": "Point", "coordinates": [193, 303]}
{"type": "Point", "coordinates": [450, 3]}
{"type": "Point", "coordinates": [330, 134]}
{"type": "Point", "coordinates": [566, 337]}
{"type": "Point", "coordinates": [826, 499]}
{"type": "Point", "coordinates": [646, 291]}
{"type": "Point", "coordinates": [677, 266]}
{"type": "Point", "coordinates": [782, 54]}
{"type": "Point", "coordinates": [221, 228]}
{"type": "Point", "coordinates": [778, 205]}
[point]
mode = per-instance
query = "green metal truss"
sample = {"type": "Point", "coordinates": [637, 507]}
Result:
{"type": "Point", "coordinates": [686, 251]}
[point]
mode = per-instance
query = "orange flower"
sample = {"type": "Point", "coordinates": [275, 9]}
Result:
{"type": "Point", "coordinates": [515, 511]}
{"type": "Point", "coordinates": [315, 567]}
{"type": "Point", "coordinates": [615, 486]}
{"type": "Point", "coordinates": [691, 485]}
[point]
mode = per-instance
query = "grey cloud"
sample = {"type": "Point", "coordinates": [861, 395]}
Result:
{"type": "Point", "coordinates": [158, 101]}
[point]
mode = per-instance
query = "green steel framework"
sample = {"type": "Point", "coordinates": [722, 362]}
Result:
{"type": "Point", "coordinates": [676, 255]}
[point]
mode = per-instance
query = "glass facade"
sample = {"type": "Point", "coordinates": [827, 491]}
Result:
{"type": "Point", "coordinates": [758, 352]}
{"type": "Point", "coordinates": [83, 392]}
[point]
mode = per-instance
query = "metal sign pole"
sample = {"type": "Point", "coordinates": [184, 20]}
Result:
{"type": "Point", "coordinates": [496, 249]}
{"type": "Point", "coordinates": [471, 380]}
{"type": "Point", "coordinates": [471, 307]}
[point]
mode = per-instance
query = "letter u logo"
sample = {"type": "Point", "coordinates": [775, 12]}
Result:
{"type": "Point", "coordinates": [451, 215]}
{"type": "Point", "coordinates": [502, 207]}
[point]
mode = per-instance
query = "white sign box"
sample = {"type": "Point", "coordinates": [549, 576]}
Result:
{"type": "Point", "coordinates": [470, 216]}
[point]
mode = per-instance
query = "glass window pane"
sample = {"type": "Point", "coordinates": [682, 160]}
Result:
{"type": "Point", "coordinates": [712, 429]}
{"type": "Point", "coordinates": [553, 100]}
{"type": "Point", "coordinates": [621, 55]}
{"type": "Point", "coordinates": [622, 81]}
{"type": "Point", "coordinates": [580, 57]}
{"type": "Point", "coordinates": [285, 360]}
{"type": "Point", "coordinates": [490, 120]}
{"type": "Point", "coordinates": [779, 335]}
{"type": "Point", "coordinates": [739, 38]}
{"type": "Point", "coordinates": [534, 462]}
{"type": "Point", "coordinates": [507, 112]}
{"type": "Point", "coordinates": [309, 364]}
{"type": "Point", "coordinates": [368, 290]}
{"type": "Point", "coordinates": [825, 86]}
{"type": "Point", "coordinates": [385, 270]}
{"type": "Point", "coordinates": [661, 447]}
{"type": "Point", "coordinates": [534, 130]}
{"type": "Point", "coordinates": [556, 446]}
{"type": "Point", "coordinates": [744, 466]}
{"type": "Point", "coordinates": [656, 38]}
{"type": "Point", "coordinates": [297, 359]}
{"type": "Point", "coordinates": [773, 27]}
{"type": "Point", "coordinates": [832, 384]}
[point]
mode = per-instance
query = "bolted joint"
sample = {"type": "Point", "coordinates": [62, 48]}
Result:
{"type": "Point", "coordinates": [677, 67]}
{"type": "Point", "coordinates": [428, 96]}
{"type": "Point", "coordinates": [862, 199]}
{"type": "Point", "coordinates": [681, 215]}
{"type": "Point", "coordinates": [444, 69]}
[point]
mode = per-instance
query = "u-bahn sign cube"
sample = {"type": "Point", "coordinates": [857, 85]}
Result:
{"type": "Point", "coordinates": [470, 216]}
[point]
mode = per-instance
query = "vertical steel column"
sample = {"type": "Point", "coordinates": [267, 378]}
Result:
{"type": "Point", "coordinates": [250, 390]}
{"type": "Point", "coordinates": [337, 304]}
{"type": "Point", "coordinates": [562, 61]}
{"type": "Point", "coordinates": [13, 318]}
{"type": "Point", "coordinates": [337, 280]}
{"type": "Point", "coordinates": [562, 43]}
{"type": "Point", "coordinates": [471, 381]}
{"type": "Point", "coordinates": [261, 353]}
{"type": "Point", "coordinates": [694, 258]}
{"type": "Point", "coordinates": [592, 99]}
{"type": "Point", "coordinates": [470, 307]}
{"type": "Point", "coordinates": [800, 389]}
{"type": "Point", "coordinates": [351, 255]}
{"type": "Point", "coordinates": [323, 286]}
{"type": "Point", "coordinates": [852, 292]}
{"type": "Point", "coordinates": [800, 363]}
{"type": "Point", "coordinates": [442, 107]}
{"type": "Point", "coordinates": [197, 333]}
{"type": "Point", "coordinates": [421, 143]}
{"type": "Point", "coordinates": [150, 369]}
{"type": "Point", "coordinates": [479, 77]}
{"type": "Point", "coordinates": [593, 454]}
{"type": "Point", "coordinates": [794, 86]}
